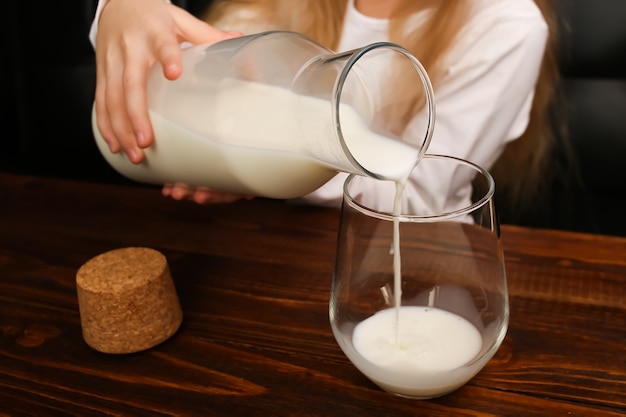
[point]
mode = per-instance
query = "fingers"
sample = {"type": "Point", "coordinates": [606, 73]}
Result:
{"type": "Point", "coordinates": [203, 196]}
{"type": "Point", "coordinates": [102, 116]}
{"type": "Point", "coordinates": [136, 131]}
{"type": "Point", "coordinates": [121, 106]}
{"type": "Point", "coordinates": [126, 106]}
{"type": "Point", "coordinates": [200, 195]}
{"type": "Point", "coordinates": [132, 37]}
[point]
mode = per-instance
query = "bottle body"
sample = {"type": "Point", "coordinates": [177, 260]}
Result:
{"type": "Point", "coordinates": [267, 115]}
{"type": "Point", "coordinates": [180, 155]}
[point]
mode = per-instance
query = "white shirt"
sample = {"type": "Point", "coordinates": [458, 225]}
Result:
{"type": "Point", "coordinates": [484, 98]}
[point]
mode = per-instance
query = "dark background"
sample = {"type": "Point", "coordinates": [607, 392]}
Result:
{"type": "Point", "coordinates": [48, 87]}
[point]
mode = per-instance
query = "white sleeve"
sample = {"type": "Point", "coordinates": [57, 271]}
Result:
{"type": "Point", "coordinates": [482, 102]}
{"type": "Point", "coordinates": [94, 24]}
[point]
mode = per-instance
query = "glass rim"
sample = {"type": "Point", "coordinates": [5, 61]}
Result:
{"type": "Point", "coordinates": [425, 218]}
{"type": "Point", "coordinates": [355, 56]}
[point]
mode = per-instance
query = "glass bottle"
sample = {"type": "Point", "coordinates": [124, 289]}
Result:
{"type": "Point", "coordinates": [277, 115]}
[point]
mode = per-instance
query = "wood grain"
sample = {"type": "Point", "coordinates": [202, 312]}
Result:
{"type": "Point", "coordinates": [253, 280]}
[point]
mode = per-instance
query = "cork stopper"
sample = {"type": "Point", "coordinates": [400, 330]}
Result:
{"type": "Point", "coordinates": [127, 300]}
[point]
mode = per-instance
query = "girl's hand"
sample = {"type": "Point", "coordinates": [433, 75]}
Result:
{"type": "Point", "coordinates": [132, 36]}
{"type": "Point", "coordinates": [200, 195]}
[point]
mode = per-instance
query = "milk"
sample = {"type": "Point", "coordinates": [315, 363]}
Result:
{"type": "Point", "coordinates": [258, 139]}
{"type": "Point", "coordinates": [415, 351]}
{"type": "Point", "coordinates": [418, 351]}
{"type": "Point", "coordinates": [180, 155]}
{"type": "Point", "coordinates": [279, 119]}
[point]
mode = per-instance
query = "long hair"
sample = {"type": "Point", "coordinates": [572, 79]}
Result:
{"type": "Point", "coordinates": [520, 171]}
{"type": "Point", "coordinates": [318, 19]}
{"type": "Point", "coordinates": [530, 165]}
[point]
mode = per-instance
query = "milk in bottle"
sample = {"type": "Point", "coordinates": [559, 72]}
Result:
{"type": "Point", "coordinates": [274, 115]}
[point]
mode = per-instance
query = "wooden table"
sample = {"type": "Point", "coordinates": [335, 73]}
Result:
{"type": "Point", "coordinates": [253, 280]}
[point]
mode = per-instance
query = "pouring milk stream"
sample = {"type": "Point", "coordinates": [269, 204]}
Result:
{"type": "Point", "coordinates": [277, 115]}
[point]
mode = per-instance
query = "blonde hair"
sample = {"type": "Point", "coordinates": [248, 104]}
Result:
{"type": "Point", "coordinates": [520, 170]}
{"type": "Point", "coordinates": [528, 166]}
{"type": "Point", "coordinates": [318, 19]}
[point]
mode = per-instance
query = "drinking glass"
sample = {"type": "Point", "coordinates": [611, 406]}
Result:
{"type": "Point", "coordinates": [419, 300]}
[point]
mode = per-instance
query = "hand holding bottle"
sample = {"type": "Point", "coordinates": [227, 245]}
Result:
{"type": "Point", "coordinates": [132, 36]}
